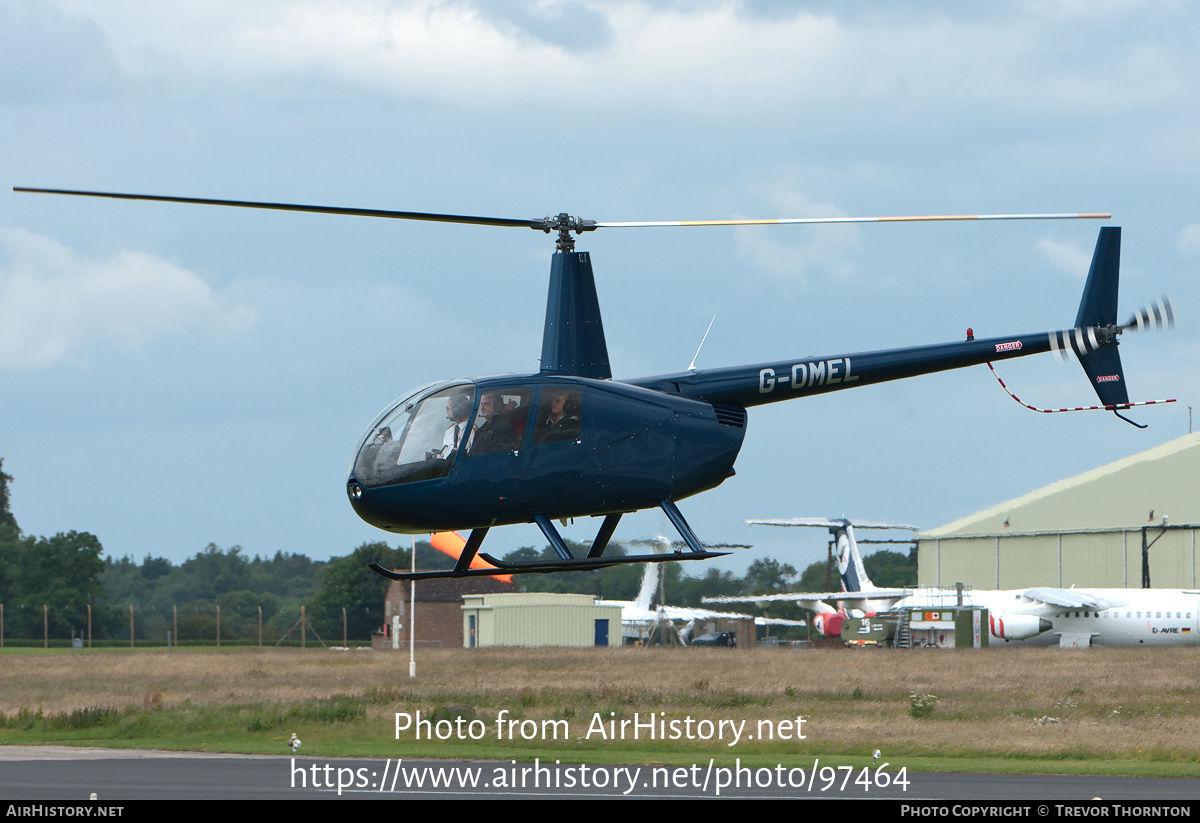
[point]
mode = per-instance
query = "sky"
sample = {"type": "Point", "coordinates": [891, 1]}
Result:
{"type": "Point", "coordinates": [175, 375]}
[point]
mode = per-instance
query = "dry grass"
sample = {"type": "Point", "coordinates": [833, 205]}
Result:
{"type": "Point", "coordinates": [1103, 703]}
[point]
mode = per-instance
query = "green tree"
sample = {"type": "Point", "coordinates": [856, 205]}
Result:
{"type": "Point", "coordinates": [213, 571]}
{"type": "Point", "coordinates": [612, 583]}
{"type": "Point", "coordinates": [155, 567]}
{"type": "Point", "coordinates": [817, 577]}
{"type": "Point", "coordinates": [10, 537]}
{"type": "Point", "coordinates": [61, 572]}
{"type": "Point", "coordinates": [10, 552]}
{"type": "Point", "coordinates": [681, 589]}
{"type": "Point", "coordinates": [346, 582]}
{"type": "Point", "coordinates": [887, 570]}
{"type": "Point", "coordinates": [769, 576]}
{"type": "Point", "coordinates": [280, 584]}
{"type": "Point", "coordinates": [6, 515]}
{"type": "Point", "coordinates": [892, 570]}
{"type": "Point", "coordinates": [287, 575]}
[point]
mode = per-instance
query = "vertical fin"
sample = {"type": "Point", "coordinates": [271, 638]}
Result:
{"type": "Point", "coordinates": [850, 565]}
{"type": "Point", "coordinates": [1098, 311]}
{"type": "Point", "coordinates": [573, 341]}
{"type": "Point", "coordinates": [1099, 304]}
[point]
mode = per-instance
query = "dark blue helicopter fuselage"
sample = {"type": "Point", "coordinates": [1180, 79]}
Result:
{"type": "Point", "coordinates": [634, 448]}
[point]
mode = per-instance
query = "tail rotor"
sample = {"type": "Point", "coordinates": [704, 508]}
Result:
{"type": "Point", "coordinates": [1160, 314]}
{"type": "Point", "coordinates": [1080, 342]}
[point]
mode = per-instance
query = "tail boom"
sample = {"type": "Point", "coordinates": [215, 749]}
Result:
{"type": "Point", "coordinates": [762, 383]}
{"type": "Point", "coordinates": [1093, 339]}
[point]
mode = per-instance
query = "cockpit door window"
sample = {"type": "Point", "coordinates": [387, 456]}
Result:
{"type": "Point", "coordinates": [500, 421]}
{"type": "Point", "coordinates": [560, 415]}
{"type": "Point", "coordinates": [417, 440]}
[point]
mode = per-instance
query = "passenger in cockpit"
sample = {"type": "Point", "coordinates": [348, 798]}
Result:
{"type": "Point", "coordinates": [496, 433]}
{"type": "Point", "coordinates": [560, 420]}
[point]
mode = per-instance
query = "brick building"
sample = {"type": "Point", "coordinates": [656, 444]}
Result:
{"type": "Point", "coordinates": [439, 610]}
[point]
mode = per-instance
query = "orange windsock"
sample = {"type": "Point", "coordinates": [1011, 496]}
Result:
{"type": "Point", "coordinates": [453, 543]}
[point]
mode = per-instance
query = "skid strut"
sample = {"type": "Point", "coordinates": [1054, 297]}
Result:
{"type": "Point", "coordinates": [568, 562]}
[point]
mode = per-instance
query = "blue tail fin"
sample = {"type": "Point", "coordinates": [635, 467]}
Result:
{"type": "Point", "coordinates": [1099, 304]}
{"type": "Point", "coordinates": [573, 340]}
{"type": "Point", "coordinates": [1094, 337]}
{"type": "Point", "coordinates": [850, 564]}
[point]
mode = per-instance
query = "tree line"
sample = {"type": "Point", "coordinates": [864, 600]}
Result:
{"type": "Point", "coordinates": [57, 578]}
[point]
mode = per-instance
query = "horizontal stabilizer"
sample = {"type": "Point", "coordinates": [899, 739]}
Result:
{"type": "Point", "coordinates": [826, 523]}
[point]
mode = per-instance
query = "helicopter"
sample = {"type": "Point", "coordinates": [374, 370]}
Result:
{"type": "Point", "coordinates": [568, 441]}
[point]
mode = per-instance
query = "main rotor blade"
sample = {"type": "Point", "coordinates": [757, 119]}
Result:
{"type": "Point", "coordinates": [562, 222]}
{"type": "Point", "coordinates": [249, 204]}
{"type": "Point", "coordinates": [919, 218]}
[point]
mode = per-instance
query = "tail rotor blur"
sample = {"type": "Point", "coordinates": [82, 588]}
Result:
{"type": "Point", "coordinates": [1160, 314]}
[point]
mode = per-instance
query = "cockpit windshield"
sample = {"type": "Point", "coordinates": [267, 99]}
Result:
{"type": "Point", "coordinates": [416, 440]}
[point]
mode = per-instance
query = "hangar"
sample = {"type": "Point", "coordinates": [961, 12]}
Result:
{"type": "Point", "coordinates": [1130, 524]}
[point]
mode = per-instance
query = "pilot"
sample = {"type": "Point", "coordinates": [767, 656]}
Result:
{"type": "Point", "coordinates": [458, 408]}
{"type": "Point", "coordinates": [560, 421]}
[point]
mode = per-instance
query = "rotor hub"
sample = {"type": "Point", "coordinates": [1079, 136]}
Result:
{"type": "Point", "coordinates": [564, 224]}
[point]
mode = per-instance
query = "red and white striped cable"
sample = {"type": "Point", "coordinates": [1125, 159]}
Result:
{"type": "Point", "coordinates": [1077, 408]}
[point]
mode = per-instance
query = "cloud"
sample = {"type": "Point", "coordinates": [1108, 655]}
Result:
{"type": "Point", "coordinates": [793, 254]}
{"type": "Point", "coordinates": [46, 54]}
{"type": "Point", "coordinates": [58, 306]}
{"type": "Point", "coordinates": [1066, 257]}
{"type": "Point", "coordinates": [681, 56]}
{"type": "Point", "coordinates": [1189, 239]}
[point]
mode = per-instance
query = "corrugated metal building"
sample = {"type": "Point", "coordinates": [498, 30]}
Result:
{"type": "Point", "coordinates": [1087, 530]}
{"type": "Point", "coordinates": [538, 619]}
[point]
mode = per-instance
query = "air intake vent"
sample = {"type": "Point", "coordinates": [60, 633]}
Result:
{"type": "Point", "coordinates": [730, 415]}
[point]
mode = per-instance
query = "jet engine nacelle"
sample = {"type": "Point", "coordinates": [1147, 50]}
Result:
{"type": "Point", "coordinates": [830, 625]}
{"type": "Point", "coordinates": [1017, 626]}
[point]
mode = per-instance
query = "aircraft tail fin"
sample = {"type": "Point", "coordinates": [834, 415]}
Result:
{"type": "Point", "coordinates": [1094, 337]}
{"type": "Point", "coordinates": [850, 563]}
{"type": "Point", "coordinates": [650, 576]}
{"type": "Point", "coordinates": [1099, 304]}
{"type": "Point", "coordinates": [573, 339]}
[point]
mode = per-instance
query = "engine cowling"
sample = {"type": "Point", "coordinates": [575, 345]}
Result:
{"type": "Point", "coordinates": [829, 625]}
{"type": "Point", "coordinates": [1008, 627]}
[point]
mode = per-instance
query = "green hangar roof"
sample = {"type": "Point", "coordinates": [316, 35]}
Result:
{"type": "Point", "coordinates": [1121, 495]}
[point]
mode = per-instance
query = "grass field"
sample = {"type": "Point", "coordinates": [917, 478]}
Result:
{"type": "Point", "coordinates": [1107, 711]}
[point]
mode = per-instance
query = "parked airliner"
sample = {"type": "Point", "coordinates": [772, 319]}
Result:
{"type": "Point", "coordinates": [1074, 618]}
{"type": "Point", "coordinates": [638, 617]}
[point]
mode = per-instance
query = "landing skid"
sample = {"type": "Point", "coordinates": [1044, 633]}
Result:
{"type": "Point", "coordinates": [568, 562]}
{"type": "Point", "coordinates": [580, 565]}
